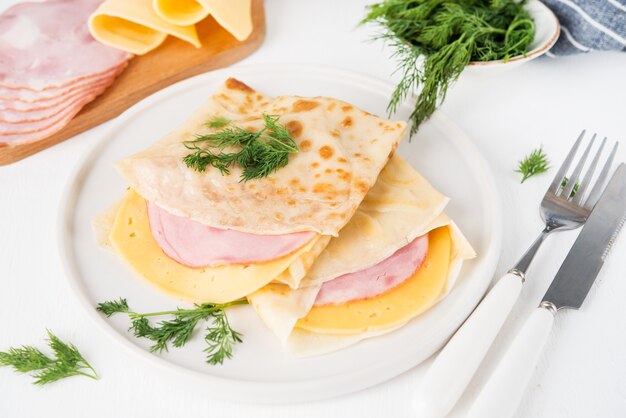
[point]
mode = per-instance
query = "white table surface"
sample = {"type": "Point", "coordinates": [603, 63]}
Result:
{"type": "Point", "coordinates": [548, 101]}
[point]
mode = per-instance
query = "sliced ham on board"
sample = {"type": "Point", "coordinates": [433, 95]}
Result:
{"type": "Point", "coordinates": [50, 67]}
{"type": "Point", "coordinates": [17, 99]}
{"type": "Point", "coordinates": [41, 112]}
{"type": "Point", "coordinates": [197, 245]}
{"type": "Point", "coordinates": [42, 133]}
{"type": "Point", "coordinates": [46, 110]}
{"type": "Point", "coordinates": [47, 45]}
{"type": "Point", "coordinates": [70, 107]}
{"type": "Point", "coordinates": [376, 279]}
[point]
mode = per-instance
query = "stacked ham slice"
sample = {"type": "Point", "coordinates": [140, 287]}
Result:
{"type": "Point", "coordinates": [50, 67]}
{"type": "Point", "coordinates": [196, 245]}
{"type": "Point", "coordinates": [377, 279]}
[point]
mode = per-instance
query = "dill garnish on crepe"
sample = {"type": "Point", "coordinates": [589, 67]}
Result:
{"type": "Point", "coordinates": [259, 154]}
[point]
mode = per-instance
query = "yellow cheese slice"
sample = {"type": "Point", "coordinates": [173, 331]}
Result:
{"type": "Point", "coordinates": [134, 26]}
{"type": "Point", "coordinates": [233, 15]}
{"type": "Point", "coordinates": [132, 238]}
{"type": "Point", "coordinates": [392, 308]}
{"type": "Point", "coordinates": [180, 12]}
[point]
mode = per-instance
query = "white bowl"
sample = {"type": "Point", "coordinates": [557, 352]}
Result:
{"type": "Point", "coordinates": [547, 30]}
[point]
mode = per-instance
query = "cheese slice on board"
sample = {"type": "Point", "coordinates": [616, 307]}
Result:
{"type": "Point", "coordinates": [135, 27]}
{"type": "Point", "coordinates": [233, 15]}
{"type": "Point", "coordinates": [131, 237]}
{"type": "Point", "coordinates": [180, 12]}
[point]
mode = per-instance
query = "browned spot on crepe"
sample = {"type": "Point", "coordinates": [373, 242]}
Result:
{"type": "Point", "coordinates": [323, 188]}
{"type": "Point", "coordinates": [326, 152]}
{"type": "Point", "coordinates": [234, 84]}
{"type": "Point", "coordinates": [305, 145]}
{"type": "Point", "coordinates": [343, 174]}
{"type": "Point", "coordinates": [294, 128]}
{"type": "Point", "coordinates": [304, 105]}
{"type": "Point", "coordinates": [362, 186]}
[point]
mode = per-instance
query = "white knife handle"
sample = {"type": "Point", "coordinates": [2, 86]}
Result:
{"type": "Point", "coordinates": [503, 391]}
{"type": "Point", "coordinates": [452, 370]}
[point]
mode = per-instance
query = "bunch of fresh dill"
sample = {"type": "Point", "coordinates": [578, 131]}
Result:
{"type": "Point", "coordinates": [259, 154]}
{"type": "Point", "coordinates": [434, 40]}
{"type": "Point", "coordinates": [220, 337]}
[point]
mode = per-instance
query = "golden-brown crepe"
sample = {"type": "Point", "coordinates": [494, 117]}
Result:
{"type": "Point", "coordinates": [342, 150]}
{"type": "Point", "coordinates": [400, 207]}
{"type": "Point", "coordinates": [341, 153]}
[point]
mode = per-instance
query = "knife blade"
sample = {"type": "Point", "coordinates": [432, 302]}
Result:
{"type": "Point", "coordinates": [586, 258]}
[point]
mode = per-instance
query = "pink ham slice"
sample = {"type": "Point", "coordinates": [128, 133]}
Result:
{"type": "Point", "coordinates": [71, 108]}
{"type": "Point", "coordinates": [377, 279]}
{"type": "Point", "coordinates": [24, 99]}
{"type": "Point", "coordinates": [48, 45]}
{"type": "Point", "coordinates": [42, 113]}
{"type": "Point", "coordinates": [197, 245]}
{"type": "Point", "coordinates": [36, 132]}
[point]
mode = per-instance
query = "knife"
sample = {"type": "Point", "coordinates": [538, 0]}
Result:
{"type": "Point", "coordinates": [503, 391]}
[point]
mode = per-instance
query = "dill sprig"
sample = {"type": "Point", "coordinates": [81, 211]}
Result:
{"type": "Point", "coordinates": [67, 361]}
{"type": "Point", "coordinates": [534, 163]}
{"type": "Point", "coordinates": [220, 339]}
{"type": "Point", "coordinates": [220, 336]}
{"type": "Point", "coordinates": [259, 154]}
{"type": "Point", "coordinates": [434, 40]}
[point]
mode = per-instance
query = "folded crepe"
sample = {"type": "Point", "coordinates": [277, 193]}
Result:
{"type": "Point", "coordinates": [396, 258]}
{"type": "Point", "coordinates": [210, 237]}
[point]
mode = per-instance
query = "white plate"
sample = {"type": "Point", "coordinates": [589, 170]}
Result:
{"type": "Point", "coordinates": [261, 371]}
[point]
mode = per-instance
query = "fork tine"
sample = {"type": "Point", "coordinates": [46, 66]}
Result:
{"type": "Point", "coordinates": [578, 197]}
{"type": "Point", "coordinates": [573, 179]}
{"type": "Point", "coordinates": [599, 186]}
{"type": "Point", "coordinates": [558, 179]}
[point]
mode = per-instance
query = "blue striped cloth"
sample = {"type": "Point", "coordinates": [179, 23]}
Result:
{"type": "Point", "coordinates": [588, 25]}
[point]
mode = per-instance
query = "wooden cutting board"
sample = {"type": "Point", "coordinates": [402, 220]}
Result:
{"type": "Point", "coordinates": [173, 61]}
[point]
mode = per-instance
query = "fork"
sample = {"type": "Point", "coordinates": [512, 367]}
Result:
{"type": "Point", "coordinates": [563, 207]}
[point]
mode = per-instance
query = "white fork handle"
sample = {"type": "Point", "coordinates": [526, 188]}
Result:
{"type": "Point", "coordinates": [503, 391]}
{"type": "Point", "coordinates": [452, 370]}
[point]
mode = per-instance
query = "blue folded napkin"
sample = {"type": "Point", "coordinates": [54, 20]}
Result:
{"type": "Point", "coordinates": [588, 25]}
